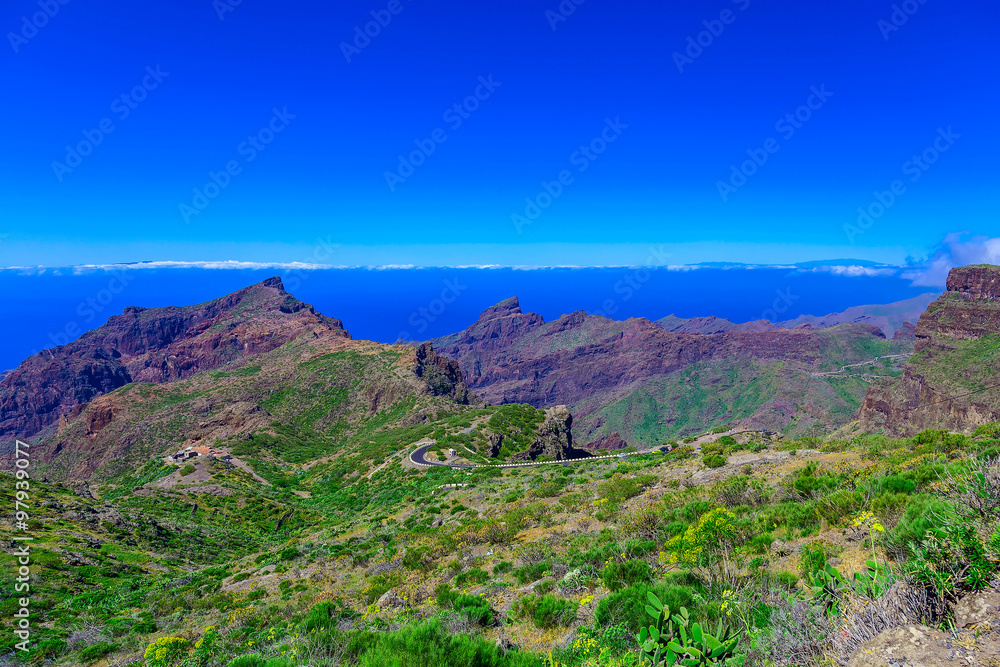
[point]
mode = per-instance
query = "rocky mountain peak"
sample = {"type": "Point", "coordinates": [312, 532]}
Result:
{"type": "Point", "coordinates": [975, 283]}
{"type": "Point", "coordinates": [949, 382]}
{"type": "Point", "coordinates": [511, 306]}
{"type": "Point", "coordinates": [273, 281]}
{"type": "Point", "coordinates": [153, 345]}
{"type": "Point", "coordinates": [969, 308]}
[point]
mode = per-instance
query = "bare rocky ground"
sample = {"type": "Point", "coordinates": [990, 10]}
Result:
{"type": "Point", "coordinates": [974, 641]}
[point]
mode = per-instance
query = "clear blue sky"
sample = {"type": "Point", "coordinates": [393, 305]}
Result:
{"type": "Point", "coordinates": [324, 173]}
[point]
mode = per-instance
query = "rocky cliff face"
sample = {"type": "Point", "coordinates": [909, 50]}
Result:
{"type": "Point", "coordinates": [442, 375]}
{"type": "Point", "coordinates": [152, 345]}
{"type": "Point", "coordinates": [554, 439]}
{"type": "Point", "coordinates": [949, 382]}
{"type": "Point", "coordinates": [636, 378]}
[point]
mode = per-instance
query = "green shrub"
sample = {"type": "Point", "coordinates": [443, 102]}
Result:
{"type": "Point", "coordinates": [714, 460]}
{"type": "Point", "coordinates": [476, 609]}
{"type": "Point", "coordinates": [429, 645]}
{"type": "Point", "coordinates": [502, 567]}
{"type": "Point", "coordinates": [620, 489]}
{"type": "Point", "coordinates": [785, 579]}
{"type": "Point", "coordinates": [251, 660]}
{"type": "Point", "coordinates": [475, 575]}
{"type": "Point", "coordinates": [50, 648]}
{"type": "Point", "coordinates": [679, 453]}
{"type": "Point", "coordinates": [713, 448]}
{"type": "Point", "coordinates": [760, 544]}
{"type": "Point", "coordinates": [991, 430]}
{"type": "Point", "coordinates": [952, 559]}
{"type": "Point", "coordinates": [547, 489]}
{"type": "Point", "coordinates": [692, 511]}
{"type": "Point", "coordinates": [320, 616]}
{"type": "Point", "coordinates": [794, 515]}
{"type": "Point", "coordinates": [97, 651]}
{"type": "Point", "coordinates": [187, 470]}
{"type": "Point", "coordinates": [419, 558]}
{"type": "Point", "coordinates": [529, 573]}
{"type": "Point", "coordinates": [445, 596]}
{"type": "Point", "coordinates": [893, 484]}
{"type": "Point", "coordinates": [547, 611]}
{"type": "Point", "coordinates": [888, 503]}
{"type": "Point", "coordinates": [922, 514]}
{"type": "Point", "coordinates": [627, 606]}
{"type": "Point", "coordinates": [513, 497]}
{"type": "Point", "coordinates": [835, 507]}
{"type": "Point", "coordinates": [618, 575]}
{"type": "Point", "coordinates": [812, 559]}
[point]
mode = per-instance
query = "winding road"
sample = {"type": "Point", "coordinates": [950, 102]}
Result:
{"type": "Point", "coordinates": [419, 456]}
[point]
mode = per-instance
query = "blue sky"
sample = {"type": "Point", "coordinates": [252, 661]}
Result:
{"type": "Point", "coordinates": [589, 118]}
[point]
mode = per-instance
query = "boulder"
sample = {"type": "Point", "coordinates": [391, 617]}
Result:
{"type": "Point", "coordinates": [780, 548]}
{"type": "Point", "coordinates": [554, 438]}
{"type": "Point", "coordinates": [390, 599]}
{"type": "Point", "coordinates": [978, 608]}
{"type": "Point", "coordinates": [906, 645]}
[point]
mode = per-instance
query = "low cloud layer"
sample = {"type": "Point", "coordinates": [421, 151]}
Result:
{"type": "Point", "coordinates": [955, 250]}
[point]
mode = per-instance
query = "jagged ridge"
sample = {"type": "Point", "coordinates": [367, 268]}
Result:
{"type": "Point", "coordinates": [951, 380]}
{"type": "Point", "coordinates": [152, 345]}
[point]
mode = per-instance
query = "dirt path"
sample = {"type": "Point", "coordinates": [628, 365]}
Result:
{"type": "Point", "coordinates": [242, 465]}
{"type": "Point", "coordinates": [860, 363]}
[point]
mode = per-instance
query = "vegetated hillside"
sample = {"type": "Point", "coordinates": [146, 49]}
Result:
{"type": "Point", "coordinates": [153, 345]}
{"type": "Point", "coordinates": [782, 552]}
{"type": "Point", "coordinates": [953, 380]}
{"type": "Point", "coordinates": [317, 395]}
{"type": "Point", "coordinates": [303, 533]}
{"type": "Point", "coordinates": [257, 370]}
{"type": "Point", "coordinates": [635, 381]}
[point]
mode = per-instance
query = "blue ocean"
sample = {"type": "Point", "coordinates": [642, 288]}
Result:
{"type": "Point", "coordinates": [53, 307]}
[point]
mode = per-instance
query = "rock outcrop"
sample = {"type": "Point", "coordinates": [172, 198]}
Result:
{"type": "Point", "coordinates": [951, 381]}
{"type": "Point", "coordinates": [151, 345]}
{"type": "Point", "coordinates": [973, 640]}
{"type": "Point", "coordinates": [442, 375]}
{"type": "Point", "coordinates": [906, 331]}
{"type": "Point", "coordinates": [554, 439]}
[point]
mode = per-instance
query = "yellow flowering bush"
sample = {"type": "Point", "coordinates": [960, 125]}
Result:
{"type": "Point", "coordinates": [704, 543]}
{"type": "Point", "coordinates": [166, 652]}
{"type": "Point", "coordinates": [868, 521]}
{"type": "Point", "coordinates": [206, 647]}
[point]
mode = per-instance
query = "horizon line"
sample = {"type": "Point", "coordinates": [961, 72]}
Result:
{"type": "Point", "coordinates": [847, 267]}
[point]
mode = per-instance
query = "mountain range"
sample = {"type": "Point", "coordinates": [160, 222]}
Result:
{"type": "Point", "coordinates": [259, 358]}
{"type": "Point", "coordinates": [245, 464]}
